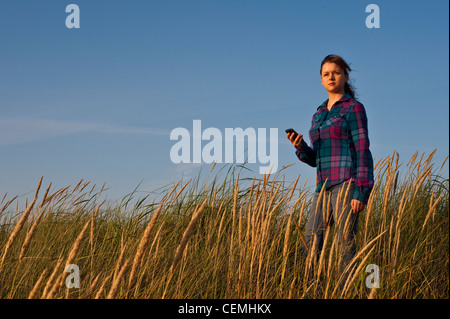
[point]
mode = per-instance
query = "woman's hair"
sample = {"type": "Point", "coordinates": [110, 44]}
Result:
{"type": "Point", "coordinates": [341, 62]}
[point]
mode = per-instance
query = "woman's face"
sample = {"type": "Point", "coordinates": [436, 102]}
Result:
{"type": "Point", "coordinates": [333, 78]}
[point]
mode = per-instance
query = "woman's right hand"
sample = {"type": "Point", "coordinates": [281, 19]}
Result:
{"type": "Point", "coordinates": [295, 140]}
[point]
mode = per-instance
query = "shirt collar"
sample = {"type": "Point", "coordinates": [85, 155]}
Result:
{"type": "Point", "coordinates": [343, 98]}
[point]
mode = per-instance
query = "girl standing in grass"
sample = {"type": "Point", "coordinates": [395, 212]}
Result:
{"type": "Point", "coordinates": [340, 152]}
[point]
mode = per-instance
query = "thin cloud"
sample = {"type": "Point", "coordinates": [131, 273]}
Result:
{"type": "Point", "coordinates": [16, 130]}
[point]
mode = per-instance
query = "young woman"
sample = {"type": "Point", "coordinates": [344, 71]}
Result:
{"type": "Point", "coordinates": [340, 151]}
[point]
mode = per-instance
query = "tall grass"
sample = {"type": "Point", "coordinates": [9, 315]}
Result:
{"type": "Point", "coordinates": [229, 237]}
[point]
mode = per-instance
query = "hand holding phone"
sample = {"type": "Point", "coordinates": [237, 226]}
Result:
{"type": "Point", "coordinates": [294, 137]}
{"type": "Point", "coordinates": [291, 130]}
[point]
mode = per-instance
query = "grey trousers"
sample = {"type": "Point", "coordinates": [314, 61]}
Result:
{"type": "Point", "coordinates": [333, 207]}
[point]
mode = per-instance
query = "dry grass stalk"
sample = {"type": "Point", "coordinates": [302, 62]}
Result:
{"type": "Point", "coordinates": [70, 259]}
{"type": "Point", "coordinates": [76, 186]}
{"type": "Point", "coordinates": [143, 244]}
{"type": "Point", "coordinates": [92, 286]}
{"type": "Point", "coordinates": [291, 287]}
{"type": "Point", "coordinates": [77, 244]}
{"type": "Point", "coordinates": [431, 209]}
{"type": "Point", "coordinates": [187, 235]}
{"type": "Point", "coordinates": [101, 189]}
{"type": "Point", "coordinates": [219, 232]}
{"type": "Point", "coordinates": [45, 195]}
{"type": "Point", "coordinates": [421, 179]}
{"type": "Point", "coordinates": [369, 209]}
{"type": "Point", "coordinates": [391, 228]}
{"type": "Point", "coordinates": [412, 159]}
{"type": "Point", "coordinates": [183, 243]}
{"type": "Point", "coordinates": [115, 285]}
{"type": "Point", "coordinates": [330, 263]}
{"type": "Point", "coordinates": [373, 292]}
{"type": "Point", "coordinates": [90, 192]}
{"type": "Point", "coordinates": [52, 279]}
{"type": "Point", "coordinates": [36, 285]}
{"type": "Point", "coordinates": [293, 187]}
{"type": "Point", "coordinates": [54, 195]}
{"type": "Point", "coordinates": [234, 208]}
{"type": "Point", "coordinates": [75, 201]}
{"type": "Point", "coordinates": [151, 259]}
{"type": "Point", "coordinates": [102, 287]}
{"type": "Point", "coordinates": [322, 255]}
{"type": "Point", "coordinates": [240, 243]}
{"type": "Point", "coordinates": [30, 234]}
{"type": "Point", "coordinates": [7, 204]}
{"type": "Point", "coordinates": [91, 235]}
{"type": "Point", "coordinates": [84, 186]}
{"type": "Point", "coordinates": [58, 283]}
{"type": "Point", "coordinates": [302, 237]}
{"type": "Point", "coordinates": [285, 250]}
{"type": "Point", "coordinates": [4, 196]}
{"type": "Point", "coordinates": [430, 157]}
{"type": "Point", "coordinates": [309, 263]}
{"type": "Point", "coordinates": [264, 236]}
{"type": "Point", "coordinates": [180, 191]}
{"type": "Point", "coordinates": [344, 274]}
{"type": "Point", "coordinates": [349, 281]}
{"type": "Point", "coordinates": [19, 225]}
{"type": "Point", "coordinates": [442, 166]}
{"type": "Point", "coordinates": [120, 260]}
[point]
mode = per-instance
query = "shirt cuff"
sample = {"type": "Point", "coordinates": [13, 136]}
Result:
{"type": "Point", "coordinates": [361, 193]}
{"type": "Point", "coordinates": [301, 147]}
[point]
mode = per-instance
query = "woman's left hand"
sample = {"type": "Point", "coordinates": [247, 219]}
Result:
{"type": "Point", "coordinates": [357, 206]}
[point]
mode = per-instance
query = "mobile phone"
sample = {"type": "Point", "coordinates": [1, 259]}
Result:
{"type": "Point", "coordinates": [291, 130]}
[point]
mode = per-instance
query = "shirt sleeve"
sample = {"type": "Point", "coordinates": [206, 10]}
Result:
{"type": "Point", "coordinates": [306, 154]}
{"type": "Point", "coordinates": [364, 162]}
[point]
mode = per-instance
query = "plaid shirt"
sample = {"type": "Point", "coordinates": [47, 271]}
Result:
{"type": "Point", "coordinates": [340, 147]}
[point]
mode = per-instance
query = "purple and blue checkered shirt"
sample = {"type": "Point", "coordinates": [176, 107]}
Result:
{"type": "Point", "coordinates": [340, 147]}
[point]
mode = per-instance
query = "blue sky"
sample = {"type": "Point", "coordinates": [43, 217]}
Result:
{"type": "Point", "coordinates": [99, 102]}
